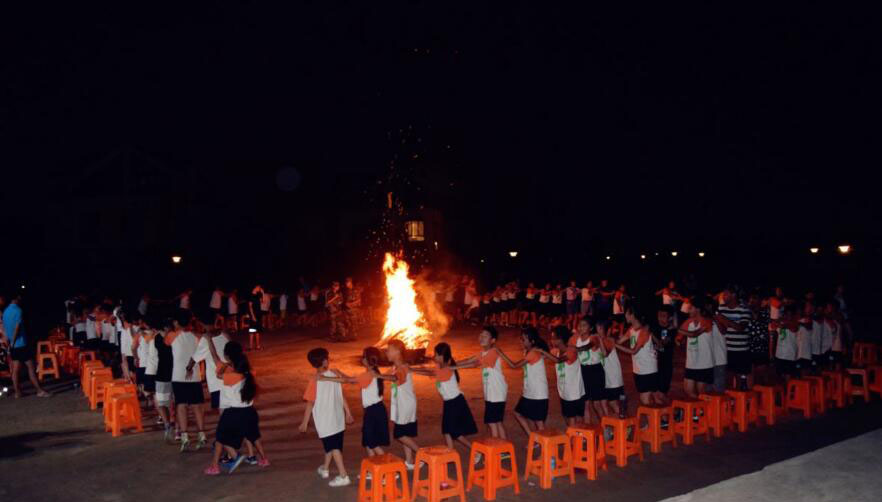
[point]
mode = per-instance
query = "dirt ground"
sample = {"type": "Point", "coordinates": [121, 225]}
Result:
{"type": "Point", "coordinates": [55, 448]}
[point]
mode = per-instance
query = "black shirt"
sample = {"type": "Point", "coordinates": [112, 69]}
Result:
{"type": "Point", "coordinates": [666, 335]}
{"type": "Point", "coordinates": [164, 368]}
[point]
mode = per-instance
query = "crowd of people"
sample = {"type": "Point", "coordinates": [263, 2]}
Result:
{"type": "Point", "coordinates": [732, 338]}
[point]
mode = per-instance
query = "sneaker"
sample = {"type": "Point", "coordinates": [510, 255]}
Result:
{"type": "Point", "coordinates": [177, 436]}
{"type": "Point", "coordinates": [225, 459]}
{"type": "Point", "coordinates": [212, 470]}
{"type": "Point", "coordinates": [251, 460]}
{"type": "Point", "coordinates": [339, 481]}
{"type": "Point", "coordinates": [263, 463]}
{"type": "Point", "coordinates": [185, 443]}
{"type": "Point", "coordinates": [167, 433]}
{"type": "Point", "coordinates": [201, 441]}
{"type": "Point", "coordinates": [323, 473]}
{"type": "Point", "coordinates": [235, 464]}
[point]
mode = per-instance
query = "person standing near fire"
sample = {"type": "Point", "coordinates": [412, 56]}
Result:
{"type": "Point", "coordinates": [353, 306]}
{"type": "Point", "coordinates": [334, 304]}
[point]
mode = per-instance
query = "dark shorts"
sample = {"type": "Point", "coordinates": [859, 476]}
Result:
{"type": "Point", "coordinates": [818, 359]}
{"type": "Point", "coordinates": [106, 346]}
{"type": "Point", "coordinates": [404, 430]}
{"type": "Point", "coordinates": [79, 338]}
{"type": "Point", "coordinates": [784, 367]}
{"type": "Point", "coordinates": [803, 364]}
{"type": "Point", "coordinates": [93, 344]}
{"type": "Point", "coordinates": [188, 392]}
{"type": "Point", "coordinates": [216, 311]}
{"type": "Point", "coordinates": [130, 362]}
{"type": "Point", "coordinates": [237, 424]}
{"type": "Point", "coordinates": [215, 400]}
{"type": "Point", "coordinates": [22, 354]}
{"type": "Point", "coordinates": [595, 381]}
{"type": "Point", "coordinates": [532, 409]}
{"type": "Point", "coordinates": [614, 393]}
{"type": "Point", "coordinates": [572, 409]}
{"type": "Point", "coordinates": [330, 443]}
{"type": "Point", "coordinates": [139, 375]}
{"type": "Point", "coordinates": [646, 383]}
{"type": "Point", "coordinates": [703, 376]}
{"type": "Point", "coordinates": [739, 362]}
{"type": "Point", "coordinates": [457, 419]}
{"type": "Point", "coordinates": [620, 318]}
{"type": "Point", "coordinates": [493, 412]}
{"type": "Point", "coordinates": [375, 426]}
{"type": "Point", "coordinates": [760, 358]}
{"type": "Point", "coordinates": [149, 383]}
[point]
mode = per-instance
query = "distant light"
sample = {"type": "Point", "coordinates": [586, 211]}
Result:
{"type": "Point", "coordinates": [436, 245]}
{"type": "Point", "coordinates": [673, 253]}
{"type": "Point", "coordinates": [643, 257]}
{"type": "Point", "coordinates": [22, 286]}
{"type": "Point", "coordinates": [656, 253]}
{"type": "Point", "coordinates": [513, 254]}
{"type": "Point", "coordinates": [814, 250]}
{"type": "Point", "coordinates": [845, 249]}
{"type": "Point", "coordinates": [176, 259]}
{"type": "Point", "coordinates": [701, 254]}
{"type": "Point", "coordinates": [609, 257]}
{"type": "Point", "coordinates": [252, 330]}
{"type": "Point", "coordinates": [482, 260]}
{"type": "Point", "coordinates": [5, 389]}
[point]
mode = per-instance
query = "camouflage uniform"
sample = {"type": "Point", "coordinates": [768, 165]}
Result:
{"type": "Point", "coordinates": [353, 310]}
{"type": "Point", "coordinates": [334, 302]}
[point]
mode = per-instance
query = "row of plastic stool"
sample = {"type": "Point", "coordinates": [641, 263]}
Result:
{"type": "Point", "coordinates": [118, 397]}
{"type": "Point", "coordinates": [552, 454]}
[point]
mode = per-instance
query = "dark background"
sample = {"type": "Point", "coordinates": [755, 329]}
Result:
{"type": "Point", "coordinates": [567, 134]}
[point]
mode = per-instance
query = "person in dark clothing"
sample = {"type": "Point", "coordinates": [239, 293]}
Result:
{"type": "Point", "coordinates": [664, 333]}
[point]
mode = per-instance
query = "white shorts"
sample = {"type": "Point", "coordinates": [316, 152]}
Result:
{"type": "Point", "coordinates": [163, 393]}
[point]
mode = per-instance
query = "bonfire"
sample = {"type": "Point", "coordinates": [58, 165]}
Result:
{"type": "Point", "coordinates": [404, 320]}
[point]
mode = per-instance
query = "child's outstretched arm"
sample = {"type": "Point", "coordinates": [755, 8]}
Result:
{"type": "Point", "coordinates": [323, 378]}
{"type": "Point", "coordinates": [423, 371]}
{"type": "Point", "coordinates": [512, 364]}
{"type": "Point", "coordinates": [348, 413]}
{"type": "Point", "coordinates": [469, 362]}
{"type": "Point", "coordinates": [304, 425]}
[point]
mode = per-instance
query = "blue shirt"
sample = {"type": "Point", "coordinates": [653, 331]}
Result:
{"type": "Point", "coordinates": [11, 320]}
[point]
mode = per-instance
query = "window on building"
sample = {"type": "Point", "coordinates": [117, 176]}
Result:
{"type": "Point", "coordinates": [415, 231]}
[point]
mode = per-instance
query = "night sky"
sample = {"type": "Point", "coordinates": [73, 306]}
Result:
{"type": "Point", "coordinates": [535, 126]}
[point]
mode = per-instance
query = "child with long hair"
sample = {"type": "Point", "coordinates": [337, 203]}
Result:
{"type": "Point", "coordinates": [532, 409]}
{"type": "Point", "coordinates": [614, 384]}
{"type": "Point", "coordinates": [591, 353]}
{"type": "Point", "coordinates": [403, 402]}
{"type": "Point", "coordinates": [698, 329]}
{"type": "Point", "coordinates": [495, 387]}
{"type": "Point", "coordinates": [239, 421]}
{"type": "Point", "coordinates": [456, 417]}
{"type": "Point", "coordinates": [643, 356]}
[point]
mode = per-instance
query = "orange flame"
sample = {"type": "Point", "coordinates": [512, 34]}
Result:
{"type": "Point", "coordinates": [404, 320]}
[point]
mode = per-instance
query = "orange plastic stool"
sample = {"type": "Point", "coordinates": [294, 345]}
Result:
{"type": "Point", "coordinates": [694, 420]}
{"type": "Point", "coordinates": [437, 458]}
{"type": "Point", "coordinates": [85, 373]}
{"type": "Point", "coordinates": [770, 402]}
{"type": "Point", "coordinates": [44, 347]}
{"type": "Point", "coordinates": [836, 387]}
{"type": "Point", "coordinates": [86, 355]}
{"type": "Point", "coordinates": [874, 379]}
{"type": "Point", "coordinates": [654, 433]}
{"type": "Point", "coordinates": [799, 393]}
{"type": "Point", "coordinates": [115, 387]}
{"type": "Point", "coordinates": [549, 442]}
{"type": "Point", "coordinates": [385, 471]}
{"type": "Point", "coordinates": [125, 413]}
{"type": "Point", "coordinates": [862, 389]}
{"type": "Point", "coordinates": [589, 449]}
{"type": "Point", "coordinates": [43, 371]}
{"type": "Point", "coordinates": [620, 446]}
{"type": "Point", "coordinates": [864, 354]}
{"type": "Point", "coordinates": [720, 409]}
{"type": "Point", "coordinates": [745, 412]}
{"type": "Point", "coordinates": [96, 386]}
{"type": "Point", "coordinates": [493, 476]}
{"type": "Point", "coordinates": [58, 347]}
{"type": "Point", "coordinates": [818, 393]}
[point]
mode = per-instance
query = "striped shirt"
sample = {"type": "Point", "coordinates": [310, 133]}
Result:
{"type": "Point", "coordinates": [738, 339]}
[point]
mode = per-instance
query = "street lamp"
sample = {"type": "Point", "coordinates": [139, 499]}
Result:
{"type": "Point", "coordinates": [814, 250]}
{"type": "Point", "coordinates": [643, 257]}
{"type": "Point", "coordinates": [176, 259]}
{"type": "Point", "coordinates": [701, 254]}
{"type": "Point", "coordinates": [674, 254]}
{"type": "Point", "coordinates": [513, 254]}
{"type": "Point", "coordinates": [844, 249]}
{"type": "Point", "coordinates": [609, 257]}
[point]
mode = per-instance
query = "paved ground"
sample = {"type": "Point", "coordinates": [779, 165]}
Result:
{"type": "Point", "coordinates": [55, 448]}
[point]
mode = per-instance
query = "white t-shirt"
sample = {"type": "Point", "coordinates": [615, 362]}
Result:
{"type": "Point", "coordinates": [152, 357]}
{"type": "Point", "coordinates": [446, 384]}
{"type": "Point", "coordinates": [804, 343]}
{"type": "Point", "coordinates": [203, 353]}
{"type": "Point", "coordinates": [612, 370]}
{"type": "Point", "coordinates": [786, 348]}
{"type": "Point", "coordinates": [283, 303]}
{"type": "Point", "coordinates": [699, 354]}
{"type": "Point", "coordinates": [91, 329]}
{"type": "Point", "coordinates": [327, 410]}
{"type": "Point", "coordinates": [535, 379]}
{"type": "Point", "coordinates": [232, 306]}
{"type": "Point", "coordinates": [370, 390]}
{"type": "Point", "coordinates": [216, 296]}
{"type": "Point", "coordinates": [231, 391]}
{"type": "Point", "coordinates": [301, 303]}
{"type": "Point", "coordinates": [183, 348]}
{"type": "Point", "coordinates": [403, 403]}
{"type": "Point", "coordinates": [586, 295]}
{"type": "Point", "coordinates": [265, 302]}
{"type": "Point", "coordinates": [142, 307]}
{"type": "Point", "coordinates": [108, 332]}
{"type": "Point", "coordinates": [142, 351]}
{"type": "Point", "coordinates": [645, 360]}
{"type": "Point", "coordinates": [588, 357]}
{"type": "Point", "coordinates": [125, 342]}
{"type": "Point", "coordinates": [836, 328]}
{"type": "Point", "coordinates": [826, 337]}
{"type": "Point", "coordinates": [492, 378]}
{"type": "Point", "coordinates": [817, 333]}
{"type": "Point", "coordinates": [570, 385]}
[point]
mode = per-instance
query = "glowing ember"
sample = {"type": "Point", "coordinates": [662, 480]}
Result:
{"type": "Point", "coordinates": [404, 320]}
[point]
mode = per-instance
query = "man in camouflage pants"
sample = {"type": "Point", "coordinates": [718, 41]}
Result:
{"type": "Point", "coordinates": [334, 304]}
